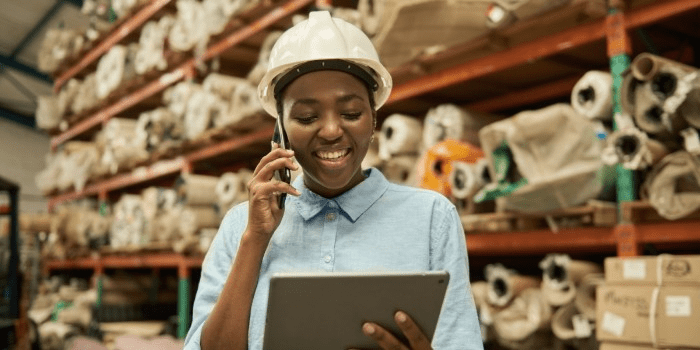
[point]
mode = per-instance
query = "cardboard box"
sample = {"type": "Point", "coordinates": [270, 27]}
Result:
{"type": "Point", "coordinates": [654, 270]}
{"type": "Point", "coordinates": [623, 315]}
{"type": "Point", "coordinates": [630, 346]}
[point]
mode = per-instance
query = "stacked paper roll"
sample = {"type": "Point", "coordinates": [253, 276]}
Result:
{"type": "Point", "coordinates": [189, 28]}
{"type": "Point", "coordinates": [151, 52]}
{"type": "Point", "coordinates": [258, 71]}
{"type": "Point", "coordinates": [86, 98]}
{"type": "Point", "coordinates": [592, 95]}
{"type": "Point", "coordinates": [203, 108]}
{"type": "Point", "coordinates": [673, 185]}
{"type": "Point", "coordinates": [115, 67]}
{"type": "Point", "coordinates": [161, 124]}
{"type": "Point", "coordinates": [505, 284]}
{"type": "Point", "coordinates": [121, 149]}
{"type": "Point", "coordinates": [634, 149]}
{"type": "Point", "coordinates": [232, 188]}
{"type": "Point", "coordinates": [401, 169]}
{"type": "Point", "coordinates": [466, 179]}
{"type": "Point", "coordinates": [448, 121]}
{"type": "Point", "coordinates": [178, 96]}
{"type": "Point", "coordinates": [561, 275]}
{"type": "Point", "coordinates": [57, 46]}
{"type": "Point", "coordinates": [399, 135]}
{"type": "Point", "coordinates": [195, 218]}
{"type": "Point", "coordinates": [196, 190]}
{"type": "Point", "coordinates": [128, 227]}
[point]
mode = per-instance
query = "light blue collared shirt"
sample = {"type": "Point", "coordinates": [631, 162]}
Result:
{"type": "Point", "coordinates": [375, 226]}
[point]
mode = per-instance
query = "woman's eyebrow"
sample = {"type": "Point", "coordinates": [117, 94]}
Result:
{"type": "Point", "coordinates": [349, 97]}
{"type": "Point", "coordinates": [305, 101]}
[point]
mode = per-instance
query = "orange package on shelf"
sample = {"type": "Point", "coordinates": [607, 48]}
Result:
{"type": "Point", "coordinates": [435, 165]}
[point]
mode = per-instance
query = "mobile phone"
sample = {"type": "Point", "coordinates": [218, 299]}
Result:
{"type": "Point", "coordinates": [280, 137]}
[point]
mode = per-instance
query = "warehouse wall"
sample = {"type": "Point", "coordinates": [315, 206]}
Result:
{"type": "Point", "coordinates": [22, 153]}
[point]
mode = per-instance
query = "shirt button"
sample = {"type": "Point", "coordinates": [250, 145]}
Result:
{"type": "Point", "coordinates": [327, 258]}
{"type": "Point", "coordinates": [330, 216]}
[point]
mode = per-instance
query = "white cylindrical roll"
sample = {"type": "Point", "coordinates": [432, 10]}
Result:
{"type": "Point", "coordinates": [232, 188]}
{"type": "Point", "coordinates": [586, 294]}
{"type": "Point", "coordinates": [400, 134]}
{"type": "Point", "coordinates": [505, 284]}
{"type": "Point", "coordinates": [203, 108]}
{"type": "Point", "coordinates": [217, 18]}
{"type": "Point", "coordinates": [86, 98]}
{"type": "Point", "coordinates": [188, 29]}
{"type": "Point", "coordinates": [371, 13]}
{"type": "Point", "coordinates": [243, 103]}
{"type": "Point", "coordinates": [448, 121]}
{"type": "Point", "coordinates": [67, 95]}
{"type": "Point", "coordinates": [635, 149]}
{"type": "Point", "coordinates": [259, 70]}
{"type": "Point", "coordinates": [192, 219]}
{"type": "Point", "coordinates": [48, 115]}
{"type": "Point", "coordinates": [110, 70]}
{"type": "Point", "coordinates": [465, 179]}
{"type": "Point", "coordinates": [178, 96]}
{"type": "Point", "coordinates": [527, 314]}
{"type": "Point", "coordinates": [196, 189]}
{"type": "Point", "coordinates": [401, 169]}
{"type": "Point", "coordinates": [592, 95]}
{"type": "Point", "coordinates": [152, 45]}
{"type": "Point", "coordinates": [673, 185]}
{"type": "Point", "coordinates": [128, 226]}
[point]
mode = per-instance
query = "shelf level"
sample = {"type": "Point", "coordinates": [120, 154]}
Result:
{"type": "Point", "coordinates": [184, 70]}
{"type": "Point", "coordinates": [118, 34]}
{"type": "Point", "coordinates": [162, 168]}
{"type": "Point", "coordinates": [535, 50]}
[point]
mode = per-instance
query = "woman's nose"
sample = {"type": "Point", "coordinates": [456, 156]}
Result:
{"type": "Point", "coordinates": [330, 128]}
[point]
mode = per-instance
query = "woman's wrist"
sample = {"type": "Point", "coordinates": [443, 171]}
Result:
{"type": "Point", "coordinates": [254, 241]}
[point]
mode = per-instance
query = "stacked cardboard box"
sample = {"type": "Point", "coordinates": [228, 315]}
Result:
{"type": "Point", "coordinates": [650, 303]}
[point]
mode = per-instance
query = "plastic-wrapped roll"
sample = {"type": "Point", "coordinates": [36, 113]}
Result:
{"type": "Point", "coordinates": [232, 189]}
{"type": "Point", "coordinates": [448, 121]}
{"type": "Point", "coordinates": [592, 95]}
{"type": "Point", "coordinates": [86, 97]}
{"type": "Point", "coordinates": [371, 13]}
{"type": "Point", "coordinates": [192, 219]}
{"type": "Point", "coordinates": [203, 108]}
{"type": "Point", "coordinates": [673, 185]}
{"type": "Point", "coordinates": [400, 169]}
{"type": "Point", "coordinates": [568, 324]}
{"type": "Point", "coordinates": [685, 100]}
{"type": "Point", "coordinates": [222, 85]}
{"type": "Point", "coordinates": [243, 102]}
{"type": "Point", "coordinates": [197, 189]}
{"type": "Point", "coordinates": [178, 96]}
{"type": "Point", "coordinates": [48, 115]}
{"type": "Point", "coordinates": [525, 315]}
{"type": "Point", "coordinates": [110, 70]}
{"type": "Point", "coordinates": [67, 95]}
{"type": "Point", "coordinates": [217, 19]}
{"type": "Point", "coordinates": [634, 149]}
{"type": "Point", "coordinates": [151, 53]}
{"type": "Point", "coordinates": [128, 226]}
{"type": "Point", "coordinates": [188, 29]}
{"type": "Point", "coordinates": [154, 127]}
{"type": "Point", "coordinates": [647, 67]}
{"type": "Point", "coordinates": [166, 225]}
{"type": "Point", "coordinates": [157, 200]}
{"type": "Point", "coordinates": [585, 299]}
{"type": "Point", "coordinates": [400, 134]}
{"type": "Point", "coordinates": [505, 284]}
{"type": "Point", "coordinates": [466, 179]}
{"type": "Point", "coordinates": [561, 276]}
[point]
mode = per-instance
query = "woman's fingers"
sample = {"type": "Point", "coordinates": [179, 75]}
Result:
{"type": "Point", "coordinates": [272, 155]}
{"type": "Point", "coordinates": [384, 338]}
{"type": "Point", "coordinates": [268, 188]}
{"type": "Point", "coordinates": [416, 338]}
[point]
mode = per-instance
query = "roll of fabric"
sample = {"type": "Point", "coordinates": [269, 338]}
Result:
{"type": "Point", "coordinates": [242, 102]}
{"type": "Point", "coordinates": [129, 223]}
{"type": "Point", "coordinates": [151, 53]}
{"type": "Point", "coordinates": [585, 299]}
{"type": "Point", "coordinates": [448, 121]}
{"type": "Point", "coordinates": [371, 13]}
{"type": "Point", "coordinates": [232, 189]}
{"type": "Point", "coordinates": [505, 284]}
{"type": "Point", "coordinates": [256, 74]}
{"type": "Point", "coordinates": [685, 99]}
{"type": "Point", "coordinates": [194, 189]}
{"type": "Point", "coordinates": [561, 276]}
{"type": "Point", "coordinates": [673, 185]}
{"type": "Point", "coordinates": [188, 29]}
{"type": "Point", "coordinates": [570, 325]}
{"type": "Point", "coordinates": [634, 149]}
{"type": "Point", "coordinates": [178, 96]}
{"type": "Point", "coordinates": [203, 108]}
{"type": "Point", "coordinates": [400, 169]}
{"type": "Point", "coordinates": [525, 315]}
{"type": "Point", "coordinates": [86, 98]}
{"type": "Point", "coordinates": [592, 95]}
{"type": "Point", "coordinates": [647, 67]}
{"type": "Point", "coordinates": [400, 134]}
{"type": "Point", "coordinates": [466, 179]}
{"type": "Point", "coordinates": [110, 70]}
{"type": "Point", "coordinates": [194, 218]}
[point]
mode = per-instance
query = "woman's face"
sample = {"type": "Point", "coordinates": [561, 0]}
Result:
{"type": "Point", "coordinates": [329, 123]}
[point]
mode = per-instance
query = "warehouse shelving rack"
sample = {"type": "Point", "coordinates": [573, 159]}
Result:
{"type": "Point", "coordinates": [410, 90]}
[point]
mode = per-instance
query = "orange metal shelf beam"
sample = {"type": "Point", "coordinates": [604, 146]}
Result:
{"type": "Point", "coordinates": [668, 232]}
{"type": "Point", "coordinates": [163, 167]}
{"type": "Point", "coordinates": [126, 28]}
{"type": "Point", "coordinates": [158, 260]}
{"type": "Point", "coordinates": [183, 70]}
{"type": "Point", "coordinates": [536, 49]}
{"type": "Point", "coordinates": [541, 241]}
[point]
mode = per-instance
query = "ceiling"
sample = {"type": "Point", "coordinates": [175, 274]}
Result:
{"type": "Point", "coordinates": [23, 25]}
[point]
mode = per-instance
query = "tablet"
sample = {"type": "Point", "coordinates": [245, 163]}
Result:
{"type": "Point", "coordinates": [326, 310]}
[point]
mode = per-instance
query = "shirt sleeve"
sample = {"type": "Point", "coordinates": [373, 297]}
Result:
{"type": "Point", "coordinates": [458, 325]}
{"type": "Point", "coordinates": [215, 270]}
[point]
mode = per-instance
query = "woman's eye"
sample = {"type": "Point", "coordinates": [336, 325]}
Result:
{"type": "Point", "coordinates": [305, 119]}
{"type": "Point", "coordinates": [352, 115]}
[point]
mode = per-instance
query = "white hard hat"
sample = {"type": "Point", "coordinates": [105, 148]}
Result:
{"type": "Point", "coordinates": [319, 43]}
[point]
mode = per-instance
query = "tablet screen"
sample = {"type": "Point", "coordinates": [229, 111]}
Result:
{"type": "Point", "coordinates": [327, 310]}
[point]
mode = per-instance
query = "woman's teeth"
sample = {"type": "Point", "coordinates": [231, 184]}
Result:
{"type": "Point", "coordinates": [332, 155]}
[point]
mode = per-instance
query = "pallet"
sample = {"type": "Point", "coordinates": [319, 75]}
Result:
{"type": "Point", "coordinates": [595, 213]}
{"type": "Point", "coordinates": [638, 212]}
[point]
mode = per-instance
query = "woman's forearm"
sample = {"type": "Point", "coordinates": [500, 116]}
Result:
{"type": "Point", "coordinates": [227, 325]}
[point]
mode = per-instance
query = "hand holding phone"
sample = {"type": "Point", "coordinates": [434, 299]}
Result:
{"type": "Point", "coordinates": [285, 175]}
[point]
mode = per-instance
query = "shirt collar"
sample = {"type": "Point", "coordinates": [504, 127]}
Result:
{"type": "Point", "coordinates": [353, 202]}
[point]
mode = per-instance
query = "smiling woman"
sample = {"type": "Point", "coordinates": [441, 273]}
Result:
{"type": "Point", "coordinates": [324, 83]}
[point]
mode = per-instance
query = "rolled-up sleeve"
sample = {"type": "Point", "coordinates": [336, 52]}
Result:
{"type": "Point", "coordinates": [215, 270]}
{"type": "Point", "coordinates": [458, 326]}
